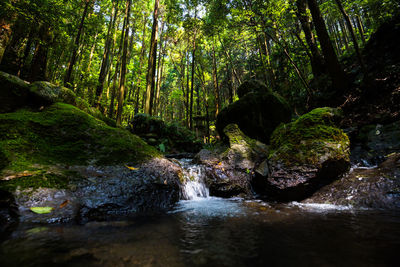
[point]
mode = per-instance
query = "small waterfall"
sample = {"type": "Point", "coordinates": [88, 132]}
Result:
{"type": "Point", "coordinates": [194, 187]}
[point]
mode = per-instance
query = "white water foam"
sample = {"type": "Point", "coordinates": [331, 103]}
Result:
{"type": "Point", "coordinates": [194, 187]}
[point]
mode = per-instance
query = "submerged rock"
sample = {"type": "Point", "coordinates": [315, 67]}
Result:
{"type": "Point", "coordinates": [230, 173]}
{"type": "Point", "coordinates": [257, 113]}
{"type": "Point", "coordinates": [365, 187]}
{"type": "Point", "coordinates": [305, 155]}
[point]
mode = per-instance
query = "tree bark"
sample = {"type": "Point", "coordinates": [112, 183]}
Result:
{"type": "Point", "coordinates": [215, 81]}
{"type": "Point", "coordinates": [106, 54]}
{"type": "Point", "coordinates": [352, 34]}
{"type": "Point", "coordinates": [336, 72]}
{"type": "Point", "coordinates": [151, 68]}
{"type": "Point", "coordinates": [121, 91]}
{"type": "Point", "coordinates": [72, 60]}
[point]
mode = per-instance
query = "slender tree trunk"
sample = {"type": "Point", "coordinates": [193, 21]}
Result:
{"type": "Point", "coordinates": [215, 80]}
{"type": "Point", "coordinates": [106, 54]}
{"type": "Point", "coordinates": [317, 63]}
{"type": "Point", "coordinates": [344, 34]}
{"type": "Point", "coordinates": [192, 82]}
{"type": "Point", "coordinates": [336, 72]}
{"type": "Point", "coordinates": [352, 34]}
{"type": "Point", "coordinates": [27, 50]}
{"type": "Point", "coordinates": [72, 60]}
{"type": "Point", "coordinates": [142, 53]}
{"type": "Point", "coordinates": [360, 29]}
{"type": "Point", "coordinates": [121, 91]}
{"type": "Point", "coordinates": [151, 69]}
{"type": "Point", "coordinates": [159, 68]}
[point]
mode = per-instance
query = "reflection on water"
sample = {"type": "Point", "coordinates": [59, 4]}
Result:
{"type": "Point", "coordinates": [216, 232]}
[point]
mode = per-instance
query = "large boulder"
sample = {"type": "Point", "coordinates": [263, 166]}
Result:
{"type": "Point", "coordinates": [377, 188]}
{"type": "Point", "coordinates": [230, 173]}
{"type": "Point", "coordinates": [252, 85]}
{"type": "Point", "coordinates": [47, 93]}
{"type": "Point", "coordinates": [14, 92]}
{"type": "Point", "coordinates": [168, 137]}
{"type": "Point", "coordinates": [63, 158]}
{"type": "Point", "coordinates": [305, 155]}
{"type": "Point", "coordinates": [257, 113]}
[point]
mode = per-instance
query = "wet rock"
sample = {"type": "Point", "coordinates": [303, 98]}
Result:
{"type": "Point", "coordinates": [105, 192]}
{"type": "Point", "coordinates": [365, 187]}
{"type": "Point", "coordinates": [373, 142]}
{"type": "Point", "coordinates": [305, 155]}
{"type": "Point", "coordinates": [8, 211]}
{"type": "Point", "coordinates": [257, 113]}
{"type": "Point", "coordinates": [230, 173]}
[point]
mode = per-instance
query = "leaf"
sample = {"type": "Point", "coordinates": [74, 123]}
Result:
{"type": "Point", "coordinates": [131, 168]}
{"type": "Point", "coordinates": [41, 210]}
{"type": "Point", "coordinates": [65, 203]}
{"type": "Point", "coordinates": [162, 148]}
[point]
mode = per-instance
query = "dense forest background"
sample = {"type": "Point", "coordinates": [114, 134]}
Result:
{"type": "Point", "coordinates": [183, 60]}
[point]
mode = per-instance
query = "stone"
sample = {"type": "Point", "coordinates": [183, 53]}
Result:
{"type": "Point", "coordinates": [257, 115]}
{"type": "Point", "coordinates": [252, 86]}
{"type": "Point", "coordinates": [14, 93]}
{"type": "Point", "coordinates": [305, 155]}
{"type": "Point", "coordinates": [377, 188]}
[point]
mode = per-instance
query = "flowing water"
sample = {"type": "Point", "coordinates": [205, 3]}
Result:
{"type": "Point", "coordinates": [208, 231]}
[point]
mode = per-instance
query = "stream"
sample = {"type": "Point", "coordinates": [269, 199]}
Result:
{"type": "Point", "coordinates": [208, 231]}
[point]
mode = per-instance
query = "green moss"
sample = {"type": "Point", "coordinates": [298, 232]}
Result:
{"type": "Point", "coordinates": [312, 135]}
{"type": "Point", "coordinates": [63, 134]}
{"type": "Point", "coordinates": [41, 178]}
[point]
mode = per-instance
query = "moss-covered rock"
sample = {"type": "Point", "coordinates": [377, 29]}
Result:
{"type": "Point", "coordinates": [307, 154]}
{"type": "Point", "coordinates": [14, 92]}
{"type": "Point", "coordinates": [230, 173]}
{"type": "Point", "coordinates": [252, 86]}
{"type": "Point", "coordinates": [63, 134]}
{"type": "Point", "coordinates": [257, 115]}
{"type": "Point", "coordinates": [170, 137]}
{"type": "Point", "coordinates": [50, 93]}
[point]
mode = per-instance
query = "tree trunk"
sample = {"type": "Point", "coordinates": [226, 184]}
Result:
{"type": "Point", "coordinates": [360, 29]}
{"type": "Point", "coordinates": [317, 63]}
{"type": "Point", "coordinates": [336, 72]}
{"type": "Point", "coordinates": [159, 70]}
{"type": "Point", "coordinates": [121, 90]}
{"type": "Point", "coordinates": [142, 52]}
{"type": "Point", "coordinates": [352, 34]}
{"type": "Point", "coordinates": [72, 60]}
{"type": "Point", "coordinates": [151, 68]}
{"type": "Point", "coordinates": [39, 61]}
{"type": "Point", "coordinates": [106, 54]}
{"type": "Point", "coordinates": [192, 83]}
{"type": "Point", "coordinates": [215, 80]}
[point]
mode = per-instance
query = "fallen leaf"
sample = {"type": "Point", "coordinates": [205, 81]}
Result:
{"type": "Point", "coordinates": [131, 168]}
{"type": "Point", "coordinates": [41, 210]}
{"type": "Point", "coordinates": [65, 203]}
{"type": "Point", "coordinates": [220, 163]}
{"type": "Point", "coordinates": [18, 175]}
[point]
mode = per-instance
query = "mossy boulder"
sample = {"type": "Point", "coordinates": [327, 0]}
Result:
{"type": "Point", "coordinates": [169, 136]}
{"type": "Point", "coordinates": [256, 113]}
{"type": "Point", "coordinates": [231, 172]}
{"type": "Point", "coordinates": [307, 154]}
{"type": "Point", "coordinates": [63, 134]}
{"type": "Point", "coordinates": [252, 86]}
{"type": "Point", "coordinates": [64, 158]}
{"type": "Point", "coordinates": [14, 92]}
{"type": "Point", "coordinates": [49, 93]}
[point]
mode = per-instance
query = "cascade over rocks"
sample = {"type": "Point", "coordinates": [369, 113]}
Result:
{"type": "Point", "coordinates": [257, 113]}
{"type": "Point", "coordinates": [230, 173]}
{"type": "Point", "coordinates": [305, 155]}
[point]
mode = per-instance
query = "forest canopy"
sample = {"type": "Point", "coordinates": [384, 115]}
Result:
{"type": "Point", "coordinates": [183, 60]}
